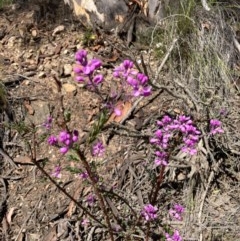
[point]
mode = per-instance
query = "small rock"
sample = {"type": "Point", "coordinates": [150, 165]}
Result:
{"type": "Point", "coordinates": [65, 51]}
{"type": "Point", "coordinates": [34, 33]}
{"type": "Point", "coordinates": [69, 88]}
{"type": "Point", "coordinates": [26, 82]}
{"type": "Point", "coordinates": [41, 74]}
{"type": "Point", "coordinates": [67, 69]}
{"type": "Point", "coordinates": [11, 41]}
{"type": "Point", "coordinates": [58, 29]}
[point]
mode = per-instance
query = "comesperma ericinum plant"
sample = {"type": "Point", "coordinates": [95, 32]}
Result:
{"type": "Point", "coordinates": [172, 133]}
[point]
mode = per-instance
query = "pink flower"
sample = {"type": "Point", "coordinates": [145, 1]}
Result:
{"type": "Point", "coordinates": [57, 172]}
{"type": "Point", "coordinates": [98, 79]}
{"type": "Point", "coordinates": [52, 140]}
{"type": "Point", "coordinates": [85, 222]}
{"type": "Point", "coordinates": [81, 57]}
{"type": "Point", "coordinates": [161, 158]}
{"type": "Point", "coordinates": [177, 211]}
{"type": "Point", "coordinates": [175, 237]}
{"type": "Point", "coordinates": [91, 199]}
{"type": "Point", "coordinates": [48, 123]}
{"type": "Point", "coordinates": [117, 111]}
{"type": "Point", "coordinates": [83, 175]}
{"type": "Point", "coordinates": [98, 149]}
{"type": "Point", "coordinates": [215, 127]}
{"type": "Point", "coordinates": [64, 149]}
{"type": "Point", "coordinates": [149, 212]}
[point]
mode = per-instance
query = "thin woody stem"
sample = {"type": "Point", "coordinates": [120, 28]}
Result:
{"type": "Point", "coordinates": [97, 191]}
{"type": "Point", "coordinates": [154, 193]}
{"type": "Point", "coordinates": [34, 160]}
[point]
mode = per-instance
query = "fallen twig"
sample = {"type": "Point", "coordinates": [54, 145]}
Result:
{"type": "Point", "coordinates": [27, 218]}
{"type": "Point", "coordinates": [8, 158]}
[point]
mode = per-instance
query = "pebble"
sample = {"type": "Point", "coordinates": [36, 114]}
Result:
{"type": "Point", "coordinates": [67, 69]}
{"type": "Point", "coordinates": [69, 88]}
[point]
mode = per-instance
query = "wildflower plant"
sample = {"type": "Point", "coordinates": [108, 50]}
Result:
{"type": "Point", "coordinates": [172, 134]}
{"type": "Point", "coordinates": [171, 130]}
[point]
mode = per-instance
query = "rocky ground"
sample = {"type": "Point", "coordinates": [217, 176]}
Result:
{"type": "Point", "coordinates": [36, 59]}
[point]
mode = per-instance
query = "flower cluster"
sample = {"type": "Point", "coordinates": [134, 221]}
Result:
{"type": "Point", "coordinates": [65, 140]}
{"type": "Point", "coordinates": [149, 212]}
{"type": "Point", "coordinates": [176, 212]}
{"type": "Point", "coordinates": [215, 127]}
{"type": "Point", "coordinates": [84, 70]}
{"type": "Point", "coordinates": [90, 199]}
{"type": "Point", "coordinates": [175, 237]}
{"type": "Point", "coordinates": [98, 149]}
{"type": "Point", "coordinates": [137, 81]}
{"type": "Point", "coordinates": [168, 127]}
{"type": "Point", "coordinates": [83, 175]}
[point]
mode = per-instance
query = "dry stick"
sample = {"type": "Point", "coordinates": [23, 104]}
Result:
{"type": "Point", "coordinates": [211, 176]}
{"type": "Point", "coordinates": [205, 5]}
{"type": "Point", "coordinates": [8, 158]}
{"type": "Point", "coordinates": [204, 195]}
{"type": "Point", "coordinates": [33, 157]}
{"type": "Point", "coordinates": [236, 44]}
{"type": "Point", "coordinates": [164, 60]}
{"type": "Point", "coordinates": [28, 217]}
{"type": "Point", "coordinates": [97, 191]}
{"type": "Point", "coordinates": [188, 92]}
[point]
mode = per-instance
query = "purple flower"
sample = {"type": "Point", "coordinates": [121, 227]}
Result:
{"type": "Point", "coordinates": [138, 81]}
{"type": "Point", "coordinates": [132, 81]}
{"type": "Point", "coordinates": [215, 127]}
{"type": "Point", "coordinates": [91, 199]}
{"type": "Point", "coordinates": [63, 136]}
{"type": "Point", "coordinates": [117, 111]}
{"type": "Point", "coordinates": [81, 57]}
{"type": "Point", "coordinates": [98, 149]}
{"type": "Point", "coordinates": [85, 222]}
{"type": "Point", "coordinates": [78, 69]}
{"type": "Point", "coordinates": [223, 112]}
{"type": "Point", "coordinates": [143, 79]}
{"type": "Point", "coordinates": [79, 79]}
{"type": "Point", "coordinates": [184, 119]}
{"type": "Point", "coordinates": [179, 208]}
{"type": "Point", "coordinates": [87, 70]}
{"type": "Point", "coordinates": [127, 64]}
{"type": "Point", "coordinates": [95, 64]}
{"type": "Point", "coordinates": [125, 70]}
{"type": "Point", "coordinates": [57, 172]}
{"type": "Point", "coordinates": [98, 79]}
{"type": "Point", "coordinates": [75, 136]}
{"type": "Point", "coordinates": [161, 158]}
{"type": "Point", "coordinates": [92, 66]}
{"type": "Point", "coordinates": [161, 139]}
{"type": "Point", "coordinates": [84, 175]}
{"type": "Point", "coordinates": [146, 91]}
{"type": "Point", "coordinates": [149, 212]}
{"type": "Point", "coordinates": [177, 211]}
{"type": "Point", "coordinates": [52, 140]}
{"type": "Point", "coordinates": [64, 149]}
{"type": "Point", "coordinates": [168, 127]}
{"type": "Point", "coordinates": [48, 123]}
{"type": "Point", "coordinates": [174, 237]}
